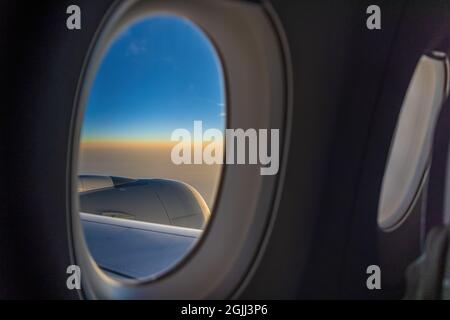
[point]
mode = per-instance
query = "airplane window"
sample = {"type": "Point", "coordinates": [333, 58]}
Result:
{"type": "Point", "coordinates": [411, 144]}
{"type": "Point", "coordinates": [141, 211]}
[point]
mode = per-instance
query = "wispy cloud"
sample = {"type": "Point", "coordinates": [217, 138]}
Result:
{"type": "Point", "coordinates": [137, 47]}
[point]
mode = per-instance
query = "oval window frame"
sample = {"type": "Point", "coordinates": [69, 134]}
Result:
{"type": "Point", "coordinates": [392, 216]}
{"type": "Point", "coordinates": [257, 99]}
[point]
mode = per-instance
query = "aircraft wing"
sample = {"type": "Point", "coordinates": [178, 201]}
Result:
{"type": "Point", "coordinates": [134, 249]}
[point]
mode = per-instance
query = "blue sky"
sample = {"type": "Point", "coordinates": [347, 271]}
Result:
{"type": "Point", "coordinates": [159, 74]}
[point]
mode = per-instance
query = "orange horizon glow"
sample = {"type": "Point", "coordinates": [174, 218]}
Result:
{"type": "Point", "coordinates": [135, 143]}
